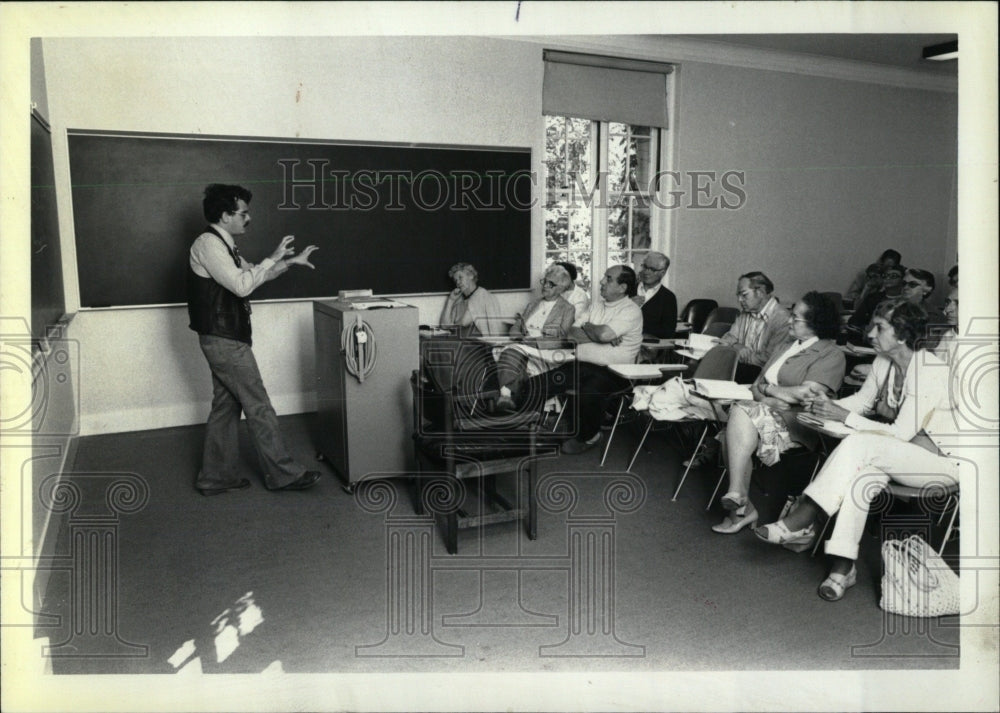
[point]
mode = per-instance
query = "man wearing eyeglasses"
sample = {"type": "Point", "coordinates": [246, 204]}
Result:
{"type": "Point", "coordinates": [219, 285]}
{"type": "Point", "coordinates": [659, 305]}
{"type": "Point", "coordinates": [762, 324]}
{"type": "Point", "coordinates": [612, 335]}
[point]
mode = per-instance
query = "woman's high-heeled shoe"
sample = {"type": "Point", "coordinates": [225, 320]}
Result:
{"type": "Point", "coordinates": [777, 533]}
{"type": "Point", "coordinates": [737, 520]}
{"type": "Point", "coordinates": [732, 501]}
{"type": "Point", "coordinates": [833, 587]}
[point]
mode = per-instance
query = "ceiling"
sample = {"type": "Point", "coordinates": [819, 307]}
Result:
{"type": "Point", "coordinates": [895, 50]}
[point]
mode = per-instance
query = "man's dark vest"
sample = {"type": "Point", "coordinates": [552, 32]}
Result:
{"type": "Point", "coordinates": [215, 310]}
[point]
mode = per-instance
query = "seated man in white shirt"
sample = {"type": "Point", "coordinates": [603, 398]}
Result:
{"type": "Point", "coordinates": [612, 335]}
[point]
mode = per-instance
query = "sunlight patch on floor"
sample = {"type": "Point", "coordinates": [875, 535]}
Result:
{"type": "Point", "coordinates": [227, 630]}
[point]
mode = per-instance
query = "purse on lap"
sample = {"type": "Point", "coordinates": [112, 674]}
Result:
{"type": "Point", "coordinates": [916, 581]}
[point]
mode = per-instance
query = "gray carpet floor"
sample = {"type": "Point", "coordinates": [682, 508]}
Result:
{"type": "Point", "coordinates": [311, 581]}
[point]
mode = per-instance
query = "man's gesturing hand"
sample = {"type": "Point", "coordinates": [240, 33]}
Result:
{"type": "Point", "coordinates": [303, 258]}
{"type": "Point", "coordinates": [283, 250]}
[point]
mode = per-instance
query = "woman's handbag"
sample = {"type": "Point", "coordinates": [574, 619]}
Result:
{"type": "Point", "coordinates": [916, 581]}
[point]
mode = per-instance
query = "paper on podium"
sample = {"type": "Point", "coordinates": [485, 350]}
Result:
{"type": "Point", "coordinates": [726, 390]}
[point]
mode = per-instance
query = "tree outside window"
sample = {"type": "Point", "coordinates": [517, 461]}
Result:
{"type": "Point", "coordinates": [598, 182]}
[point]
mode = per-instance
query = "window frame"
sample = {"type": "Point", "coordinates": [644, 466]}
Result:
{"type": "Point", "coordinates": [600, 197]}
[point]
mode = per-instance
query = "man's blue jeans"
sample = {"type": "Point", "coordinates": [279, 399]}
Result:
{"type": "Point", "coordinates": [237, 387]}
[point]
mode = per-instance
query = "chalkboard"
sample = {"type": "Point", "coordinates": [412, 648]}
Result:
{"type": "Point", "coordinates": [391, 218]}
{"type": "Point", "coordinates": [47, 300]}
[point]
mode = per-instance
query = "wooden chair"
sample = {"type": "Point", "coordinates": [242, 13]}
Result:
{"type": "Point", "coordinates": [458, 446]}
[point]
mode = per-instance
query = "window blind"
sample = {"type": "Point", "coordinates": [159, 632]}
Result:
{"type": "Point", "coordinates": [605, 88]}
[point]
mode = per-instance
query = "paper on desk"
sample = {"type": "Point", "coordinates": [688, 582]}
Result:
{"type": "Point", "coordinates": [719, 389]}
{"type": "Point", "coordinates": [836, 427]}
{"type": "Point", "coordinates": [701, 342]}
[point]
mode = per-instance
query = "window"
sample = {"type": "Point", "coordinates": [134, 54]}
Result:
{"type": "Point", "coordinates": [599, 178]}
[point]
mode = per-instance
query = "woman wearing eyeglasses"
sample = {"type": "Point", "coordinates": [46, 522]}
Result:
{"type": "Point", "coordinates": [810, 363]}
{"type": "Point", "coordinates": [905, 432]}
{"type": "Point", "coordinates": [549, 316]}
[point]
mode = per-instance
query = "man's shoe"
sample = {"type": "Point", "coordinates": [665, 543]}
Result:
{"type": "Point", "coordinates": [574, 446]}
{"type": "Point", "coordinates": [306, 480]}
{"type": "Point", "coordinates": [220, 489]}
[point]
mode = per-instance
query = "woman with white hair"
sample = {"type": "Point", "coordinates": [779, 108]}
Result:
{"type": "Point", "coordinates": [470, 307]}
{"type": "Point", "coordinates": [549, 316]}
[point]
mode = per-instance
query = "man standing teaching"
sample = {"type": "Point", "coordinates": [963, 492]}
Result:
{"type": "Point", "coordinates": [219, 285]}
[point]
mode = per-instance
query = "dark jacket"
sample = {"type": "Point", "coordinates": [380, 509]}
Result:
{"type": "Point", "coordinates": [659, 314]}
{"type": "Point", "coordinates": [214, 310]}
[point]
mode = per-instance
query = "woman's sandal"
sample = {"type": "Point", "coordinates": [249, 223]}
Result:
{"type": "Point", "coordinates": [737, 520]}
{"type": "Point", "coordinates": [777, 533]}
{"type": "Point", "coordinates": [833, 587]}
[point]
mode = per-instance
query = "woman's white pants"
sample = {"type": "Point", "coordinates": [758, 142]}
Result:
{"type": "Point", "coordinates": [858, 470]}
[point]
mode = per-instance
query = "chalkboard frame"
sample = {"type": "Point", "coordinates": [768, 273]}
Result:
{"type": "Point", "coordinates": [504, 265]}
{"type": "Point", "coordinates": [48, 299]}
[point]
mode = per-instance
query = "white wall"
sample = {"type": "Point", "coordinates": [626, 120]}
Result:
{"type": "Point", "coordinates": [141, 368]}
{"type": "Point", "coordinates": [837, 171]}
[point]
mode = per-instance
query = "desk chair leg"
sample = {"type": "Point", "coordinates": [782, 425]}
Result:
{"type": "Point", "coordinates": [562, 410]}
{"type": "Point", "coordinates": [687, 469]}
{"type": "Point", "coordinates": [951, 525]}
{"type": "Point", "coordinates": [819, 461]}
{"type": "Point", "coordinates": [642, 440]}
{"type": "Point", "coordinates": [718, 485]}
{"type": "Point", "coordinates": [822, 533]}
{"type": "Point", "coordinates": [607, 446]}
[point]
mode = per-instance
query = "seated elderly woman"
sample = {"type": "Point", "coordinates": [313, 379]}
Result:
{"type": "Point", "coordinates": [469, 307]}
{"type": "Point", "coordinates": [910, 390]}
{"type": "Point", "coordinates": [811, 362]}
{"type": "Point", "coordinates": [549, 316]}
